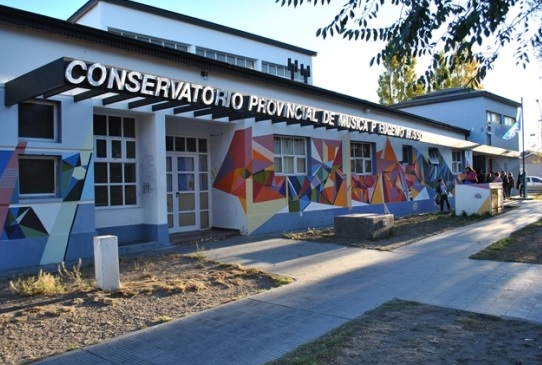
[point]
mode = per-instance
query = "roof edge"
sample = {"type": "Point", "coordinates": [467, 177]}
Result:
{"type": "Point", "coordinates": [453, 94]}
{"type": "Point", "coordinates": [188, 19]}
{"type": "Point", "coordinates": [37, 22]}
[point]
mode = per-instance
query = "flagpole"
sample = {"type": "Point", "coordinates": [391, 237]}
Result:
{"type": "Point", "coordinates": [523, 153]}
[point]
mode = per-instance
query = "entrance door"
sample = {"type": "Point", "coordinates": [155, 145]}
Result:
{"type": "Point", "coordinates": [187, 189]}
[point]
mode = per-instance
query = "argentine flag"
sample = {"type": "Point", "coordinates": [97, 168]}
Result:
{"type": "Point", "coordinates": [516, 127]}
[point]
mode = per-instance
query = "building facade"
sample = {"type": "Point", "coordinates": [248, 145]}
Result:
{"type": "Point", "coordinates": [487, 116]}
{"type": "Point", "coordinates": [142, 131]}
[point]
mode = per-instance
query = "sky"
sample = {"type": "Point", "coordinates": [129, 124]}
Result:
{"type": "Point", "coordinates": [341, 65]}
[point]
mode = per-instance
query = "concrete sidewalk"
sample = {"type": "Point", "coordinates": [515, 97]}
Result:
{"type": "Point", "coordinates": [334, 285]}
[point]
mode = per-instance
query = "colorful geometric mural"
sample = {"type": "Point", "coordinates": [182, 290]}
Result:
{"type": "Point", "coordinates": [237, 166]}
{"type": "Point", "coordinates": [266, 186]}
{"type": "Point", "coordinates": [9, 167]}
{"type": "Point", "coordinates": [50, 219]}
{"type": "Point", "coordinates": [23, 223]}
{"type": "Point", "coordinates": [398, 182]}
{"type": "Point", "coordinates": [74, 173]}
{"type": "Point", "coordinates": [325, 183]}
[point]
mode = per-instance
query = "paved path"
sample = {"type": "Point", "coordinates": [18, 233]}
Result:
{"type": "Point", "coordinates": [334, 285]}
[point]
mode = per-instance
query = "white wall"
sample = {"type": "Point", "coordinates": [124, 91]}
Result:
{"type": "Point", "coordinates": [114, 16]}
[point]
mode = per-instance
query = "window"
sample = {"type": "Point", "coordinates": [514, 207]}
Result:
{"type": "Point", "coordinates": [38, 120]}
{"type": "Point", "coordinates": [38, 176]}
{"type": "Point", "coordinates": [186, 144]}
{"type": "Point", "coordinates": [154, 40]}
{"type": "Point", "coordinates": [433, 156]}
{"type": "Point", "coordinates": [115, 174]}
{"type": "Point", "coordinates": [290, 155]}
{"type": "Point", "coordinates": [493, 118]}
{"type": "Point", "coordinates": [281, 71]}
{"type": "Point", "coordinates": [226, 57]}
{"type": "Point", "coordinates": [361, 158]}
{"type": "Point", "coordinates": [509, 121]}
{"type": "Point", "coordinates": [407, 155]}
{"type": "Point", "coordinates": [457, 162]}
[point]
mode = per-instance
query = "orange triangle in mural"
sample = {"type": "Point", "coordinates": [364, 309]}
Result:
{"type": "Point", "coordinates": [340, 200]}
{"type": "Point", "coordinates": [388, 153]}
{"type": "Point", "coordinates": [263, 193]}
{"type": "Point", "coordinates": [226, 182]}
{"type": "Point", "coordinates": [378, 194]}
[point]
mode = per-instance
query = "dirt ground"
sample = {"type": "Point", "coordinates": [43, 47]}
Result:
{"type": "Point", "coordinates": [155, 289]}
{"type": "Point", "coordinates": [401, 332]}
{"type": "Point", "coordinates": [166, 285]}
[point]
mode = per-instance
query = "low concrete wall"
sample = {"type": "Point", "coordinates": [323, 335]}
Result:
{"type": "Point", "coordinates": [366, 226]}
{"type": "Point", "coordinates": [479, 199]}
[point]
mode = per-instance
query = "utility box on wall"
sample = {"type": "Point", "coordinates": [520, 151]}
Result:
{"type": "Point", "coordinates": [479, 199]}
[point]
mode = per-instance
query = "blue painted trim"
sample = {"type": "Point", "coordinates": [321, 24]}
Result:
{"type": "Point", "coordinates": [138, 233]}
{"type": "Point", "coordinates": [26, 252]}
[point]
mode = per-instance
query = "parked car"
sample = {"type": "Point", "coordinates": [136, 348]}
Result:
{"type": "Point", "coordinates": [534, 184]}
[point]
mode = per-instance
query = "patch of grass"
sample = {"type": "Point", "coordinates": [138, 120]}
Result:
{"type": "Point", "coordinates": [327, 234]}
{"type": "Point", "coordinates": [329, 345]}
{"type": "Point", "coordinates": [522, 245]}
{"type": "Point", "coordinates": [322, 348]}
{"type": "Point", "coordinates": [280, 280]}
{"type": "Point", "coordinates": [43, 283]}
{"type": "Point", "coordinates": [72, 347]}
{"type": "Point", "coordinates": [163, 319]}
{"type": "Point", "coordinates": [310, 232]}
{"type": "Point", "coordinates": [492, 252]}
{"type": "Point", "coordinates": [240, 270]}
{"type": "Point", "coordinates": [74, 276]}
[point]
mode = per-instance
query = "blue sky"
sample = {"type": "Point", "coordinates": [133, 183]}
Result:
{"type": "Point", "coordinates": [341, 65]}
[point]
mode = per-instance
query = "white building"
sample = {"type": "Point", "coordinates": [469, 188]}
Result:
{"type": "Point", "coordinates": [112, 124]}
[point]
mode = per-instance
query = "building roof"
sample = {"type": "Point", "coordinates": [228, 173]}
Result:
{"type": "Point", "coordinates": [187, 19]}
{"type": "Point", "coordinates": [452, 94]}
{"type": "Point", "coordinates": [43, 24]}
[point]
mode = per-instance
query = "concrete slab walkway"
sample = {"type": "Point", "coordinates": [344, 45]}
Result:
{"type": "Point", "coordinates": [334, 285]}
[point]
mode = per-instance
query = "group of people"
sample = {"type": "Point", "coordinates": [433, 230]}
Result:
{"type": "Point", "coordinates": [507, 180]}
{"type": "Point", "coordinates": [481, 177]}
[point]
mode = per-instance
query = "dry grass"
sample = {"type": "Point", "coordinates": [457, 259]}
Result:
{"type": "Point", "coordinates": [43, 283]}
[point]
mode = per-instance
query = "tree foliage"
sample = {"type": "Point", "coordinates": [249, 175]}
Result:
{"type": "Point", "coordinates": [476, 29]}
{"type": "Point", "coordinates": [398, 82]}
{"type": "Point", "coordinates": [462, 75]}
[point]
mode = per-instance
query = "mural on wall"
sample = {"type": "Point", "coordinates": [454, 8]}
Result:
{"type": "Point", "coordinates": [253, 158]}
{"type": "Point", "coordinates": [325, 184]}
{"type": "Point", "coordinates": [9, 166]}
{"type": "Point", "coordinates": [39, 220]}
{"type": "Point", "coordinates": [398, 182]}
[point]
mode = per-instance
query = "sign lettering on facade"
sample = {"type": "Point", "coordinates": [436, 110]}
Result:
{"type": "Point", "coordinates": [96, 75]}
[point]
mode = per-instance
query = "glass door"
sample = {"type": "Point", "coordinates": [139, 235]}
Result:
{"type": "Point", "coordinates": [187, 187]}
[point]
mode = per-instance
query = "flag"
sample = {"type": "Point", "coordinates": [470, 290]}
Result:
{"type": "Point", "coordinates": [516, 127]}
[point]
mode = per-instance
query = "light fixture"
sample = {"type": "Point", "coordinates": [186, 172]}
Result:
{"type": "Point", "coordinates": [204, 74]}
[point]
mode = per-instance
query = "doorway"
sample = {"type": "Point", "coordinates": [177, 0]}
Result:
{"type": "Point", "coordinates": [187, 178]}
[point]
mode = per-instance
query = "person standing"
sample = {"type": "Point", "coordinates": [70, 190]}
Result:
{"type": "Point", "coordinates": [520, 185]}
{"type": "Point", "coordinates": [504, 178]}
{"type": "Point", "coordinates": [470, 176]}
{"type": "Point", "coordinates": [442, 190]}
{"type": "Point", "coordinates": [511, 183]}
{"type": "Point", "coordinates": [480, 176]}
